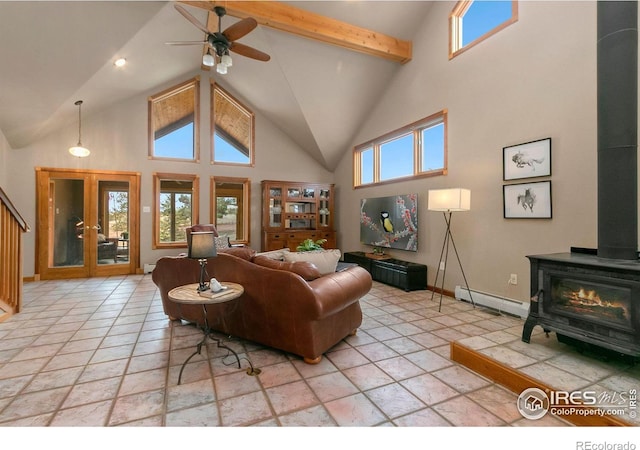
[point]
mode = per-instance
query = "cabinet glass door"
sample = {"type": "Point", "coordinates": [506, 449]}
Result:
{"type": "Point", "coordinates": [275, 207]}
{"type": "Point", "coordinates": [323, 208]}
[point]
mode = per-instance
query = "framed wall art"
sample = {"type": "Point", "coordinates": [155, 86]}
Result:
{"type": "Point", "coordinates": [390, 222]}
{"type": "Point", "coordinates": [527, 200]}
{"type": "Point", "coordinates": [528, 160]}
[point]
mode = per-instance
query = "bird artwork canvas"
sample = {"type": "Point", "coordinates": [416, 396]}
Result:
{"type": "Point", "coordinates": [390, 222]}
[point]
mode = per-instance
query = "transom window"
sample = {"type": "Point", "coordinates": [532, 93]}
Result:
{"type": "Point", "coordinates": [471, 22]}
{"type": "Point", "coordinates": [418, 149]}
{"type": "Point", "coordinates": [232, 129]}
{"type": "Point", "coordinates": [174, 122]}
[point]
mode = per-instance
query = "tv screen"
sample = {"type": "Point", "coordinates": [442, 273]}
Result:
{"type": "Point", "coordinates": [390, 222]}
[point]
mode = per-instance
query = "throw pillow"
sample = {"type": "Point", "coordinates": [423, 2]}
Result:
{"type": "Point", "coordinates": [306, 270]}
{"type": "Point", "coordinates": [278, 255]}
{"type": "Point", "coordinates": [325, 260]}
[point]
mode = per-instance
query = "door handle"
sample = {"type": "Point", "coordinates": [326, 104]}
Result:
{"type": "Point", "coordinates": [96, 227]}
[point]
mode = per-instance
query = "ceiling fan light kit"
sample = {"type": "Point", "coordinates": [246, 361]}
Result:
{"type": "Point", "coordinates": [223, 42]}
{"type": "Point", "coordinates": [208, 60]}
{"type": "Point", "coordinates": [78, 150]}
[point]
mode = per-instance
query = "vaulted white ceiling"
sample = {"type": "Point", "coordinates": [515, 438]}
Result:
{"type": "Point", "coordinates": [54, 53]}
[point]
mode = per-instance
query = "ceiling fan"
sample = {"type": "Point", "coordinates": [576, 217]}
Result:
{"type": "Point", "coordinates": [223, 42]}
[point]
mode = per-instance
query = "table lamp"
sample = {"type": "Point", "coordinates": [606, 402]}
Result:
{"type": "Point", "coordinates": [449, 201]}
{"type": "Point", "coordinates": [202, 245]}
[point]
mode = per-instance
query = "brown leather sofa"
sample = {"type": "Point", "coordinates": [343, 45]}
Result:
{"type": "Point", "coordinates": [285, 305]}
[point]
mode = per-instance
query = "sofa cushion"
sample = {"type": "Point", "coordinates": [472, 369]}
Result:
{"type": "Point", "coordinates": [325, 260]}
{"type": "Point", "coordinates": [241, 252]}
{"type": "Point", "coordinates": [306, 270]}
{"type": "Point", "coordinates": [278, 255]}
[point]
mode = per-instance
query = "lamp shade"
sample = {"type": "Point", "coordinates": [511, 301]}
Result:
{"type": "Point", "coordinates": [79, 151]}
{"type": "Point", "coordinates": [454, 199]}
{"type": "Point", "coordinates": [202, 244]}
{"type": "Point", "coordinates": [207, 60]}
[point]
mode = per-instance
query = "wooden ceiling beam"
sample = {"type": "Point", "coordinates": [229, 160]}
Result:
{"type": "Point", "coordinates": [297, 21]}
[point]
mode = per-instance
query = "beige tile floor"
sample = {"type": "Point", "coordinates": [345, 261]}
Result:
{"type": "Point", "coordinates": [101, 353]}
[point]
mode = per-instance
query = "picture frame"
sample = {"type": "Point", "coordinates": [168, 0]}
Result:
{"type": "Point", "coordinates": [528, 160]}
{"type": "Point", "coordinates": [390, 222]}
{"type": "Point", "coordinates": [527, 200]}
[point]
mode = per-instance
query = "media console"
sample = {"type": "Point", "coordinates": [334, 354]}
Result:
{"type": "Point", "coordinates": [395, 272]}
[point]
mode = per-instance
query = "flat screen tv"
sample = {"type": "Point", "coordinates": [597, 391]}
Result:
{"type": "Point", "coordinates": [390, 222]}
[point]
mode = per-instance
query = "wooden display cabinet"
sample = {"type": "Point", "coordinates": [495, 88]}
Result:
{"type": "Point", "coordinates": [293, 212]}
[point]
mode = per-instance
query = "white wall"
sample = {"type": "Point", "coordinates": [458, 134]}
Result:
{"type": "Point", "coordinates": [535, 79]}
{"type": "Point", "coordinates": [117, 138]}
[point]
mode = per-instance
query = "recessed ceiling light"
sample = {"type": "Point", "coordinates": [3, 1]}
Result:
{"type": "Point", "coordinates": [120, 62]}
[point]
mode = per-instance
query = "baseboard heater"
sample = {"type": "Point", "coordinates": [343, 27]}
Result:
{"type": "Point", "coordinates": [501, 304]}
{"type": "Point", "coordinates": [148, 268]}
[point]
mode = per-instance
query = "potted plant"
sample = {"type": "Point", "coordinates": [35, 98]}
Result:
{"type": "Point", "coordinates": [309, 245]}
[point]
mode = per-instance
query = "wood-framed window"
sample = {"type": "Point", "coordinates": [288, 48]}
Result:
{"type": "Point", "coordinates": [471, 22]}
{"type": "Point", "coordinates": [174, 122]}
{"type": "Point", "coordinates": [232, 129]}
{"type": "Point", "coordinates": [175, 208]}
{"type": "Point", "coordinates": [416, 150]}
{"type": "Point", "coordinates": [230, 208]}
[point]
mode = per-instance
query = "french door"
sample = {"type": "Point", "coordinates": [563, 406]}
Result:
{"type": "Point", "coordinates": [87, 223]}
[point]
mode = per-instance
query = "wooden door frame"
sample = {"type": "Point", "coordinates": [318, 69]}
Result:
{"type": "Point", "coordinates": [90, 267]}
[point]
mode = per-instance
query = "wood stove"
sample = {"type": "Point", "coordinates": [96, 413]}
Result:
{"type": "Point", "coordinates": [593, 296]}
{"type": "Point", "coordinates": [587, 299]}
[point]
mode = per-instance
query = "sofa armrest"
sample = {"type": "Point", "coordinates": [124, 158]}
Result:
{"type": "Point", "coordinates": [336, 291]}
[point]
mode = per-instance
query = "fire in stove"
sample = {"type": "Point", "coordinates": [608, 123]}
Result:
{"type": "Point", "coordinates": [607, 303]}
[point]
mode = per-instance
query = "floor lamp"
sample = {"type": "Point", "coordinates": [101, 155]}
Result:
{"type": "Point", "coordinates": [449, 201]}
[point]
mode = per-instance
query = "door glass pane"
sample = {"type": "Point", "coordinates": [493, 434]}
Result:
{"type": "Point", "coordinates": [67, 216]}
{"type": "Point", "coordinates": [113, 222]}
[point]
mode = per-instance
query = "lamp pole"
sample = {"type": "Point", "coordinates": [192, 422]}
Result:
{"type": "Point", "coordinates": [448, 237]}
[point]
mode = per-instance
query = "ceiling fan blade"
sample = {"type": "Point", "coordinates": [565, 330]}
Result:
{"type": "Point", "coordinates": [191, 18]}
{"type": "Point", "coordinates": [187, 43]}
{"type": "Point", "coordinates": [241, 28]}
{"type": "Point", "coordinates": [249, 52]}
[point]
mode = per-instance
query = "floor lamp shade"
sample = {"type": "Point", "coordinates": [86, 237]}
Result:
{"type": "Point", "coordinates": [201, 244]}
{"type": "Point", "coordinates": [455, 199]}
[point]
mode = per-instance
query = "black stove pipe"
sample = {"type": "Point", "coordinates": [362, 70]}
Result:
{"type": "Point", "coordinates": [617, 70]}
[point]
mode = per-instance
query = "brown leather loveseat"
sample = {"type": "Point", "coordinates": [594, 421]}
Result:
{"type": "Point", "coordinates": [285, 305]}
